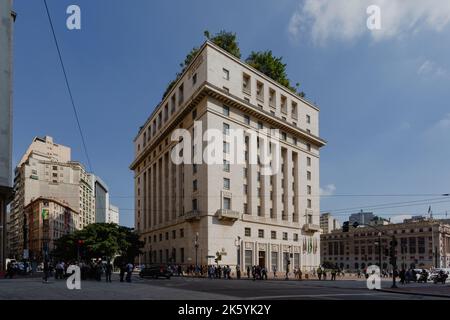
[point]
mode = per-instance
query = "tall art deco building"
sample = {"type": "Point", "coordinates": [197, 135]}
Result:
{"type": "Point", "coordinates": [192, 213]}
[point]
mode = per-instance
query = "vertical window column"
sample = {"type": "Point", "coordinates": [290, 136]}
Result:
{"type": "Point", "coordinates": [297, 190]}
{"type": "Point", "coordinates": [288, 189]}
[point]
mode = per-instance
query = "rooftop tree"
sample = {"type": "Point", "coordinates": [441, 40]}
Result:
{"type": "Point", "coordinates": [273, 67]}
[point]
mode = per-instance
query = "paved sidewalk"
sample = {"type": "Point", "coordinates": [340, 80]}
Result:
{"type": "Point", "coordinates": [432, 290]}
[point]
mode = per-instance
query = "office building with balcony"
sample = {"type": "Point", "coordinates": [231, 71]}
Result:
{"type": "Point", "coordinates": [191, 213]}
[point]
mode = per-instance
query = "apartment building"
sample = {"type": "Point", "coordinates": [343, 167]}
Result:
{"type": "Point", "coordinates": [422, 243]}
{"type": "Point", "coordinates": [328, 223]}
{"type": "Point", "coordinates": [191, 213]}
{"type": "Point", "coordinates": [7, 18]}
{"type": "Point", "coordinates": [48, 220]}
{"type": "Point", "coordinates": [46, 170]}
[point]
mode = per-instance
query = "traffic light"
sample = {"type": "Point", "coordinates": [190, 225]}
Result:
{"type": "Point", "coordinates": [346, 226]}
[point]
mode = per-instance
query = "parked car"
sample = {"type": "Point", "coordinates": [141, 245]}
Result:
{"type": "Point", "coordinates": [156, 271]}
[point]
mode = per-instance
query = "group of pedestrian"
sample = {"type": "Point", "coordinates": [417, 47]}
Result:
{"type": "Point", "coordinates": [126, 269]}
{"type": "Point", "coordinates": [411, 275]}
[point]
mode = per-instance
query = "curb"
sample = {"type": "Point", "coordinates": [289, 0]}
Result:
{"type": "Point", "coordinates": [415, 293]}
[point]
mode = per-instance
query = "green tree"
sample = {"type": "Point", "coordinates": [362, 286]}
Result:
{"type": "Point", "coordinates": [99, 240]}
{"type": "Point", "coordinates": [273, 67]}
{"type": "Point", "coordinates": [226, 40]}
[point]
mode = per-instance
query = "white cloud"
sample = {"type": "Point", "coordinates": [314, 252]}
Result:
{"type": "Point", "coordinates": [400, 218]}
{"type": "Point", "coordinates": [444, 123]}
{"type": "Point", "coordinates": [345, 20]}
{"type": "Point", "coordinates": [329, 190]}
{"type": "Point", "coordinates": [430, 68]}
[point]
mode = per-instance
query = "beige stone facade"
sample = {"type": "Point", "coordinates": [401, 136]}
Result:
{"type": "Point", "coordinates": [187, 213]}
{"type": "Point", "coordinates": [421, 244]}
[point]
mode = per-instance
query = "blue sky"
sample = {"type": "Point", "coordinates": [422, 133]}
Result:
{"type": "Point", "coordinates": [384, 94]}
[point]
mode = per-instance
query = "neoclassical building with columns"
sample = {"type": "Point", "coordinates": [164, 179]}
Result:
{"type": "Point", "coordinates": [192, 213]}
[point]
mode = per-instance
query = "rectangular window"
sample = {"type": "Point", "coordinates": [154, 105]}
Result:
{"type": "Point", "coordinates": [226, 147]}
{"type": "Point", "coordinates": [259, 211]}
{"type": "Point", "coordinates": [226, 74]}
{"type": "Point", "coordinates": [226, 111]}
{"type": "Point", "coordinates": [308, 119]}
{"type": "Point", "coordinates": [194, 185]}
{"type": "Point", "coordinates": [308, 161]}
{"type": "Point", "coordinates": [272, 98]}
{"type": "Point", "coordinates": [284, 136]}
{"type": "Point", "coordinates": [245, 189]}
{"type": "Point", "coordinates": [246, 84]}
{"type": "Point", "coordinates": [181, 94]}
{"type": "Point", "coordinates": [294, 110]}
{"type": "Point", "coordinates": [245, 208]}
{"type": "Point", "coordinates": [247, 119]}
{"type": "Point", "coordinates": [226, 129]}
{"type": "Point", "coordinates": [173, 104]}
{"type": "Point", "coordinates": [260, 233]}
{"type": "Point", "coordinates": [273, 235]}
{"type": "Point", "coordinates": [194, 205]}
{"type": "Point", "coordinates": [226, 166]}
{"type": "Point", "coordinates": [182, 255]}
{"type": "Point", "coordinates": [284, 104]}
{"type": "Point", "coordinates": [285, 235]}
{"type": "Point", "coordinates": [309, 189]}
{"type": "Point", "coordinates": [260, 91]}
{"type": "Point", "coordinates": [308, 146]}
{"type": "Point", "coordinates": [226, 183]}
{"type": "Point", "coordinates": [308, 175]}
{"type": "Point", "coordinates": [248, 232]}
{"type": "Point", "coordinates": [174, 234]}
{"type": "Point", "coordinates": [260, 125]}
{"type": "Point", "coordinates": [227, 203]}
{"type": "Point", "coordinates": [194, 79]}
{"type": "Point", "coordinates": [274, 260]}
{"type": "Point", "coordinates": [249, 258]}
{"type": "Point", "coordinates": [296, 237]}
{"type": "Point", "coordinates": [181, 233]}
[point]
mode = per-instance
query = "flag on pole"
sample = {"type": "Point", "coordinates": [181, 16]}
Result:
{"type": "Point", "coordinates": [45, 214]}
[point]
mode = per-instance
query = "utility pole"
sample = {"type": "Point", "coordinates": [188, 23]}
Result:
{"type": "Point", "coordinates": [7, 16]}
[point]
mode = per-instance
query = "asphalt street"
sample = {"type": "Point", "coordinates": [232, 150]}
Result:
{"type": "Point", "coordinates": [201, 289]}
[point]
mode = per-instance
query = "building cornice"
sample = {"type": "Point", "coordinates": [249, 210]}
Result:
{"type": "Point", "coordinates": [208, 89]}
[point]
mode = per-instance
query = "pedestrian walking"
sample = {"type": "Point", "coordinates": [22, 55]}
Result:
{"type": "Point", "coordinates": [122, 271]}
{"type": "Point", "coordinates": [108, 271]}
{"type": "Point", "coordinates": [319, 273]}
{"type": "Point", "coordinates": [46, 271]}
{"type": "Point", "coordinates": [129, 269]}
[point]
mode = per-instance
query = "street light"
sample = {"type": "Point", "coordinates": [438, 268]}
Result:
{"type": "Point", "coordinates": [196, 250]}
{"type": "Point", "coordinates": [237, 243]}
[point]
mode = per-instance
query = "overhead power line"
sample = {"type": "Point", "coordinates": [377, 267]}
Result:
{"type": "Point", "coordinates": [68, 87]}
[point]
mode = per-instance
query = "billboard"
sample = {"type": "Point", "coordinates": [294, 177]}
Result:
{"type": "Point", "coordinates": [6, 22]}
